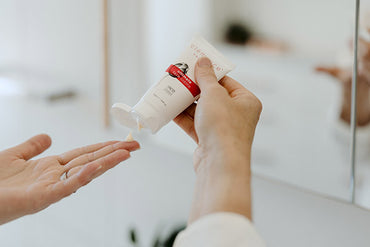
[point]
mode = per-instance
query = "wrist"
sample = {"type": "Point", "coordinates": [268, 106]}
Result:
{"type": "Point", "coordinates": [222, 160]}
{"type": "Point", "coordinates": [222, 185]}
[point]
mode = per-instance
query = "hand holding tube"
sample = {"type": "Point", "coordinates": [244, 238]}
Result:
{"type": "Point", "coordinates": [223, 124]}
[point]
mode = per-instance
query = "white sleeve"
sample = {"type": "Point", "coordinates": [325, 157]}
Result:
{"type": "Point", "coordinates": [220, 230]}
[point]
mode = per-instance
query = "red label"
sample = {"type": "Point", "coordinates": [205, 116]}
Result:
{"type": "Point", "coordinates": [177, 73]}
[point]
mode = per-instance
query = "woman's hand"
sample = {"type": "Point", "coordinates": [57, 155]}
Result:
{"type": "Point", "coordinates": [344, 76]}
{"type": "Point", "coordinates": [223, 123]}
{"type": "Point", "coordinates": [225, 117]}
{"type": "Point", "coordinates": [28, 186]}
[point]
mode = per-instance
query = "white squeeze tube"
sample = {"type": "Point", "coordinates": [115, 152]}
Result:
{"type": "Point", "coordinates": [174, 92]}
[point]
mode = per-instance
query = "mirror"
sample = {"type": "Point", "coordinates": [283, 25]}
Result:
{"type": "Point", "coordinates": [299, 66]}
{"type": "Point", "coordinates": [291, 62]}
{"type": "Point", "coordinates": [362, 157]}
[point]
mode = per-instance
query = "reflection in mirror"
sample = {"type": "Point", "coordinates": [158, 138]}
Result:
{"type": "Point", "coordinates": [362, 194]}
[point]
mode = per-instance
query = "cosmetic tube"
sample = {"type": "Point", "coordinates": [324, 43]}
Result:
{"type": "Point", "coordinates": [175, 92]}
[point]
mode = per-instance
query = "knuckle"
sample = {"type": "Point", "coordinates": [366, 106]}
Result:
{"type": "Point", "coordinates": [258, 105]}
{"type": "Point", "coordinates": [255, 103]}
{"type": "Point", "coordinates": [252, 106]}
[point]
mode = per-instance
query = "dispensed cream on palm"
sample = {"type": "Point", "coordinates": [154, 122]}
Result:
{"type": "Point", "coordinates": [175, 92]}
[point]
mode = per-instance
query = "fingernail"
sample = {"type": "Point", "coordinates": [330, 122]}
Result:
{"type": "Point", "coordinates": [204, 62]}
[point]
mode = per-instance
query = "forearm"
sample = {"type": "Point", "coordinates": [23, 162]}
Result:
{"type": "Point", "coordinates": [222, 185]}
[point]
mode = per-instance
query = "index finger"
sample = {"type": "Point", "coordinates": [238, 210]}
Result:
{"type": "Point", "coordinates": [206, 78]}
{"type": "Point", "coordinates": [72, 154]}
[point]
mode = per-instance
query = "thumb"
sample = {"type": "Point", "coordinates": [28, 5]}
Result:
{"type": "Point", "coordinates": [32, 147]}
{"type": "Point", "coordinates": [205, 76]}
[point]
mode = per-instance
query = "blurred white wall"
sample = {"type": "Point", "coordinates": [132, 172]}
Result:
{"type": "Point", "coordinates": [9, 33]}
{"type": "Point", "coordinates": [56, 39]}
{"type": "Point", "coordinates": [126, 42]}
{"type": "Point", "coordinates": [169, 26]}
{"type": "Point", "coordinates": [62, 41]}
{"type": "Point", "coordinates": [312, 28]}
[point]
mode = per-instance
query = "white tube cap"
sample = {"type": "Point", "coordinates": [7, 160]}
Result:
{"type": "Point", "coordinates": [122, 113]}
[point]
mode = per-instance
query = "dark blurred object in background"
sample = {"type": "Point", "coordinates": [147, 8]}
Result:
{"type": "Point", "coordinates": [238, 34]}
{"type": "Point", "coordinates": [159, 241]}
{"type": "Point", "coordinates": [169, 240]}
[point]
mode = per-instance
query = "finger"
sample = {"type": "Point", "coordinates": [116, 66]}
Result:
{"type": "Point", "coordinates": [89, 157]}
{"type": "Point", "coordinates": [333, 71]}
{"type": "Point", "coordinates": [186, 121]}
{"type": "Point", "coordinates": [342, 75]}
{"type": "Point", "coordinates": [70, 155]}
{"type": "Point", "coordinates": [73, 171]}
{"type": "Point", "coordinates": [86, 174]}
{"type": "Point", "coordinates": [32, 147]}
{"type": "Point", "coordinates": [233, 87]}
{"type": "Point", "coordinates": [206, 78]}
{"type": "Point", "coordinates": [107, 162]}
{"type": "Point", "coordinates": [190, 111]}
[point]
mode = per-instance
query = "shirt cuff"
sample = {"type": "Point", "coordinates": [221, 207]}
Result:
{"type": "Point", "coordinates": [220, 230]}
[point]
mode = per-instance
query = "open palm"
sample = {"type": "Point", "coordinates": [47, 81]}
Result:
{"type": "Point", "coordinates": [28, 186]}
